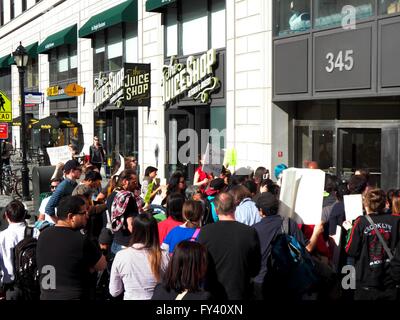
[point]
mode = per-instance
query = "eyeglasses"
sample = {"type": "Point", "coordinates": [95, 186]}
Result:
{"type": "Point", "coordinates": [53, 187]}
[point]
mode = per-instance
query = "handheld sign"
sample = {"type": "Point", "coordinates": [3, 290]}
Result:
{"type": "Point", "coordinates": [59, 154]}
{"type": "Point", "coordinates": [353, 206]}
{"type": "Point", "coordinates": [302, 194]}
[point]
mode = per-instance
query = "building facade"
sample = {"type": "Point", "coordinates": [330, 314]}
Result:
{"type": "Point", "coordinates": [224, 93]}
{"type": "Point", "coordinates": [336, 78]}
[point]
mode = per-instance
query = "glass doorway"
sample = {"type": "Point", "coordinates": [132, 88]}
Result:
{"type": "Point", "coordinates": [360, 148]}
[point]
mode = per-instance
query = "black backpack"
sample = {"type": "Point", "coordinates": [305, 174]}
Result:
{"type": "Point", "coordinates": [290, 266]}
{"type": "Point", "coordinates": [26, 274]}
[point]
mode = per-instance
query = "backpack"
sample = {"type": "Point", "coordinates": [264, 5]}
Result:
{"type": "Point", "coordinates": [26, 273]}
{"type": "Point", "coordinates": [290, 266]}
{"type": "Point", "coordinates": [208, 211]}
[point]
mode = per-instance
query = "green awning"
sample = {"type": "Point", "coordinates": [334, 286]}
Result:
{"type": "Point", "coordinates": [66, 36]}
{"type": "Point", "coordinates": [32, 50]}
{"type": "Point", "coordinates": [158, 5]}
{"type": "Point", "coordinates": [124, 12]}
{"type": "Point", "coordinates": [5, 61]}
{"type": "Point", "coordinates": [11, 60]}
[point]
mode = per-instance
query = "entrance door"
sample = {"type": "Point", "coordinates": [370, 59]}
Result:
{"type": "Point", "coordinates": [184, 139]}
{"type": "Point", "coordinates": [360, 148]}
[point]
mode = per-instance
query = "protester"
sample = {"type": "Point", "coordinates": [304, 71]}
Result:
{"type": "Point", "coordinates": [234, 253]}
{"type": "Point", "coordinates": [15, 215]}
{"type": "Point", "coordinates": [192, 212]}
{"type": "Point", "coordinates": [246, 211]}
{"type": "Point", "coordinates": [42, 216]}
{"type": "Point", "coordinates": [216, 186]}
{"type": "Point", "coordinates": [373, 279]}
{"type": "Point", "coordinates": [72, 172]}
{"type": "Point", "coordinates": [201, 178]}
{"type": "Point", "coordinates": [137, 269]}
{"type": "Point", "coordinates": [174, 215]}
{"type": "Point", "coordinates": [149, 180]}
{"type": "Point", "coordinates": [185, 275]}
{"type": "Point", "coordinates": [6, 150]}
{"type": "Point", "coordinates": [71, 254]}
{"type": "Point", "coordinates": [121, 205]}
{"type": "Point", "coordinates": [97, 153]}
{"type": "Point", "coordinates": [176, 184]}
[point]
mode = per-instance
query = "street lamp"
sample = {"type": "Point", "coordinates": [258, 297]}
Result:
{"type": "Point", "coordinates": [21, 60]}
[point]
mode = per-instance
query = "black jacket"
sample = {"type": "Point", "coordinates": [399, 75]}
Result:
{"type": "Point", "coordinates": [372, 263]}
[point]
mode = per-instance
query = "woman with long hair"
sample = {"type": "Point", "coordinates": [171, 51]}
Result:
{"type": "Point", "coordinates": [176, 184]}
{"type": "Point", "coordinates": [185, 274]}
{"type": "Point", "coordinates": [192, 212]}
{"type": "Point", "coordinates": [137, 269]}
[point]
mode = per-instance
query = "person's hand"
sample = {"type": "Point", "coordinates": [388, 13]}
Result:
{"type": "Point", "coordinates": [318, 229]}
{"type": "Point", "coordinates": [205, 181]}
{"type": "Point", "coordinates": [347, 225]}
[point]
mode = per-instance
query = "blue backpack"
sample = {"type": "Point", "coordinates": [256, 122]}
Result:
{"type": "Point", "coordinates": [290, 264]}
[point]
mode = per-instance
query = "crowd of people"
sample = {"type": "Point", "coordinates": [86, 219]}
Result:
{"type": "Point", "coordinates": [217, 239]}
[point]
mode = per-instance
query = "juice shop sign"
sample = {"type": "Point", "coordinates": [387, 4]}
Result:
{"type": "Point", "coordinates": [196, 78]}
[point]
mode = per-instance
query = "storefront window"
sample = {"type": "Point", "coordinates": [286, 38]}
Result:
{"type": "Point", "coordinates": [336, 12]}
{"type": "Point", "coordinates": [99, 56]}
{"type": "Point", "coordinates": [389, 6]}
{"type": "Point", "coordinates": [115, 48]}
{"type": "Point", "coordinates": [292, 16]}
{"type": "Point", "coordinates": [218, 35]}
{"type": "Point", "coordinates": [31, 76]}
{"type": "Point", "coordinates": [203, 20]}
{"type": "Point", "coordinates": [194, 24]}
{"type": "Point", "coordinates": [171, 30]}
{"type": "Point", "coordinates": [131, 43]}
{"type": "Point", "coordinates": [63, 63]}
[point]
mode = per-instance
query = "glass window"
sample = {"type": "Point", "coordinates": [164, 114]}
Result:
{"type": "Point", "coordinates": [194, 24]}
{"type": "Point", "coordinates": [31, 75]}
{"type": "Point", "coordinates": [131, 43]}
{"type": "Point", "coordinates": [99, 52]}
{"type": "Point", "coordinates": [218, 24]}
{"type": "Point", "coordinates": [62, 63]}
{"type": "Point", "coordinates": [171, 29]}
{"type": "Point", "coordinates": [53, 65]}
{"type": "Point", "coordinates": [12, 9]}
{"type": "Point", "coordinates": [331, 13]}
{"type": "Point", "coordinates": [1, 12]}
{"type": "Point", "coordinates": [115, 48]}
{"type": "Point", "coordinates": [23, 5]}
{"type": "Point", "coordinates": [389, 6]}
{"type": "Point", "coordinates": [292, 16]}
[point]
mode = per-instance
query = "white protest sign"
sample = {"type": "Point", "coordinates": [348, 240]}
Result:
{"type": "Point", "coordinates": [85, 149]}
{"type": "Point", "coordinates": [353, 206]}
{"type": "Point", "coordinates": [213, 160]}
{"type": "Point", "coordinates": [302, 194]}
{"type": "Point", "coordinates": [122, 167]}
{"type": "Point", "coordinates": [59, 154]}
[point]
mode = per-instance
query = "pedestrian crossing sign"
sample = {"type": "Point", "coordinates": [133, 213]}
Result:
{"type": "Point", "coordinates": [5, 108]}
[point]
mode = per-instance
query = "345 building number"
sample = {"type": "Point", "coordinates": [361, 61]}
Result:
{"type": "Point", "coordinates": [343, 61]}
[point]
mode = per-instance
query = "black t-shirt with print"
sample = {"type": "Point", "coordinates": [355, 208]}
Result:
{"type": "Point", "coordinates": [372, 263]}
{"type": "Point", "coordinates": [72, 255]}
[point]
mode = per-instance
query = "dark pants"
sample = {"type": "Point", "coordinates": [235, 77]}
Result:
{"type": "Point", "coordinates": [97, 165]}
{"type": "Point", "coordinates": [370, 293]}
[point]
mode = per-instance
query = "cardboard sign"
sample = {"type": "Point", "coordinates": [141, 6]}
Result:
{"type": "Point", "coordinates": [302, 194]}
{"type": "Point", "coordinates": [353, 206]}
{"type": "Point", "coordinates": [59, 154]}
{"type": "Point", "coordinates": [122, 166]}
{"type": "Point", "coordinates": [213, 160]}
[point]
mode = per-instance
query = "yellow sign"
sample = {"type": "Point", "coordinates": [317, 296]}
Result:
{"type": "Point", "coordinates": [5, 108]}
{"type": "Point", "coordinates": [74, 90]}
{"type": "Point", "coordinates": [52, 91]}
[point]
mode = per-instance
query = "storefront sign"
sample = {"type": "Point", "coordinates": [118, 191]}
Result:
{"type": "Point", "coordinates": [4, 131]}
{"type": "Point", "coordinates": [137, 84]}
{"type": "Point", "coordinates": [55, 91]}
{"type": "Point", "coordinates": [33, 98]}
{"type": "Point", "coordinates": [74, 90]}
{"type": "Point", "coordinates": [196, 78]}
{"type": "Point", "coordinates": [5, 108]}
{"type": "Point", "coordinates": [109, 88]}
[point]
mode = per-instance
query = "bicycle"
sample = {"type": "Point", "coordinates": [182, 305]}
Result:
{"type": "Point", "coordinates": [11, 182]}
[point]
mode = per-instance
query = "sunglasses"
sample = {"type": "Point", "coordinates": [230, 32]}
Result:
{"type": "Point", "coordinates": [53, 187]}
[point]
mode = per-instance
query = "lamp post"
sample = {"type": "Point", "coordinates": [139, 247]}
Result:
{"type": "Point", "coordinates": [21, 60]}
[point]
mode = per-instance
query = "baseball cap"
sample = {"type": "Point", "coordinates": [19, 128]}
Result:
{"type": "Point", "coordinates": [268, 202]}
{"type": "Point", "coordinates": [71, 165]}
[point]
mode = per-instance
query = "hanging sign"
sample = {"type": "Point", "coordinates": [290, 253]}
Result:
{"type": "Point", "coordinates": [74, 90]}
{"type": "Point", "coordinates": [137, 84]}
{"type": "Point", "coordinates": [109, 88]}
{"type": "Point", "coordinates": [196, 78]}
